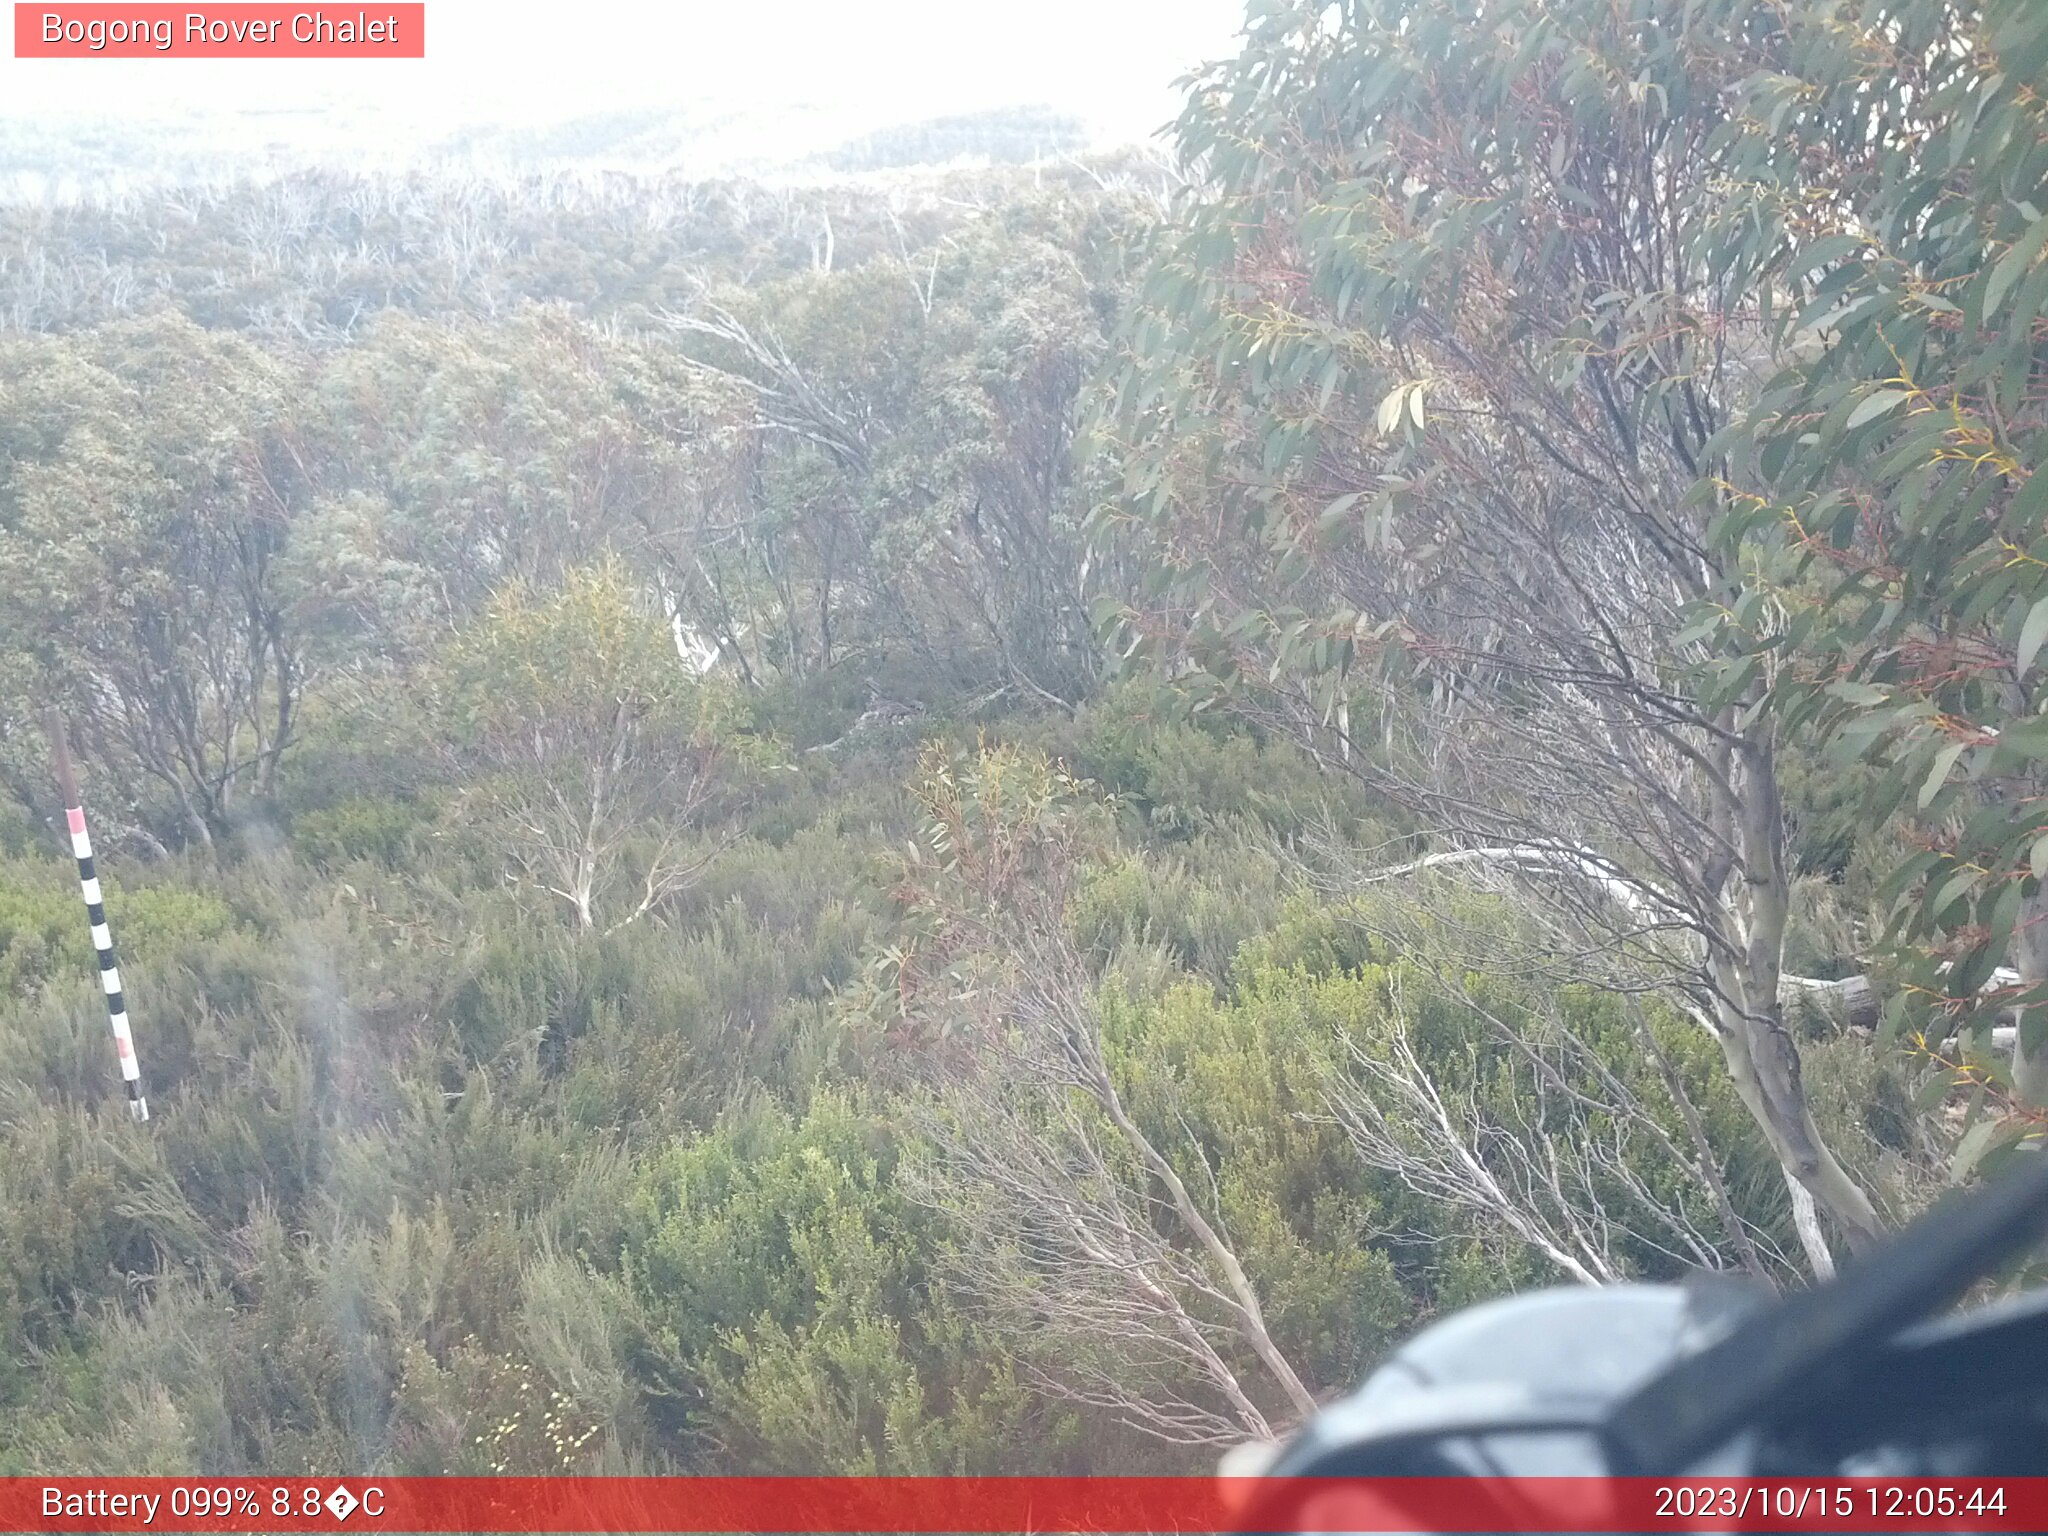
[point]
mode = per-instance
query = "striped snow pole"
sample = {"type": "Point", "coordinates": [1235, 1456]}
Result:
{"type": "Point", "coordinates": [96, 914]}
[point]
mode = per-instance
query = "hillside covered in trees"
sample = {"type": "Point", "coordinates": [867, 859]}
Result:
{"type": "Point", "coordinates": [1003, 820]}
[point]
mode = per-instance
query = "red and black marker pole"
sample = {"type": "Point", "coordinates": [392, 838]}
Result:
{"type": "Point", "coordinates": [96, 914]}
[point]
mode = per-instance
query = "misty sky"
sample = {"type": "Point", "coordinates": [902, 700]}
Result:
{"type": "Point", "coordinates": [1111, 61]}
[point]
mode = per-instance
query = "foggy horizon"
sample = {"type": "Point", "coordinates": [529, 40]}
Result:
{"type": "Point", "coordinates": [782, 83]}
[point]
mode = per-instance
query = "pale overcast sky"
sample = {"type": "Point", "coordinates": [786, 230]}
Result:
{"type": "Point", "coordinates": [1111, 61]}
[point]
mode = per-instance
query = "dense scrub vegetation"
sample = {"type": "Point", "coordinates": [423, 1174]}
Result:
{"type": "Point", "coordinates": [999, 824]}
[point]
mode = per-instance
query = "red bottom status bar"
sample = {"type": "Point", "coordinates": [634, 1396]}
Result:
{"type": "Point", "coordinates": [1020, 1504]}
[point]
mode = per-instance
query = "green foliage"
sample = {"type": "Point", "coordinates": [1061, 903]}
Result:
{"type": "Point", "coordinates": [591, 754]}
{"type": "Point", "coordinates": [1886, 472]}
{"type": "Point", "coordinates": [147, 476]}
{"type": "Point", "coordinates": [1185, 773]}
{"type": "Point", "coordinates": [582, 649]}
{"type": "Point", "coordinates": [1927, 319]}
{"type": "Point", "coordinates": [907, 446]}
{"type": "Point", "coordinates": [526, 685]}
{"type": "Point", "coordinates": [790, 1283]}
{"type": "Point", "coordinates": [40, 932]}
{"type": "Point", "coordinates": [43, 933]}
{"type": "Point", "coordinates": [1238, 1081]}
{"type": "Point", "coordinates": [377, 829]}
{"type": "Point", "coordinates": [436, 1181]}
{"type": "Point", "coordinates": [1198, 905]}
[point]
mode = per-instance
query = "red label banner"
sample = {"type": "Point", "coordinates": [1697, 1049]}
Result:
{"type": "Point", "coordinates": [1021, 1504]}
{"type": "Point", "coordinates": [230, 31]}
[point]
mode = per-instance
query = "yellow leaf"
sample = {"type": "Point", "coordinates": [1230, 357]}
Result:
{"type": "Point", "coordinates": [1389, 415]}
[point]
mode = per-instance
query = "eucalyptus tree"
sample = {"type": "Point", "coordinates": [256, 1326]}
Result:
{"type": "Point", "coordinates": [152, 476]}
{"type": "Point", "coordinates": [591, 755]}
{"type": "Point", "coordinates": [480, 455]}
{"type": "Point", "coordinates": [1890, 158]}
{"type": "Point", "coordinates": [911, 484]}
{"type": "Point", "coordinates": [1414, 414]}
